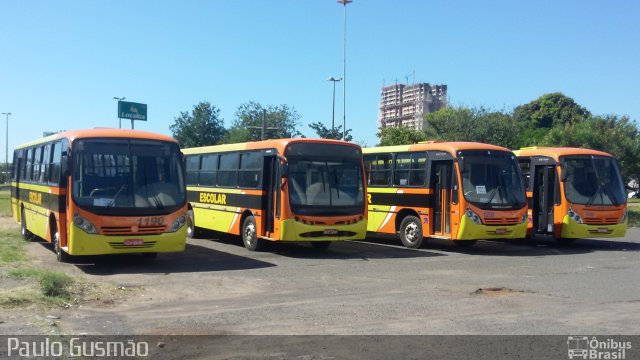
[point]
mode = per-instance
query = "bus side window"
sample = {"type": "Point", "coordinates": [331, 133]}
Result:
{"type": "Point", "coordinates": [228, 170]}
{"type": "Point", "coordinates": [44, 167]}
{"type": "Point", "coordinates": [208, 170]}
{"type": "Point", "coordinates": [54, 166]}
{"type": "Point", "coordinates": [250, 169]}
{"type": "Point", "coordinates": [28, 166]}
{"type": "Point", "coordinates": [193, 166]}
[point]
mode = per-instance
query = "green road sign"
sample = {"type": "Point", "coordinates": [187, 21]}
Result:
{"type": "Point", "coordinates": [131, 110]}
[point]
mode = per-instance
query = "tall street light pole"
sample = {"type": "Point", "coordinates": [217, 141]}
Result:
{"type": "Point", "coordinates": [344, 71]}
{"type": "Point", "coordinates": [333, 106]}
{"type": "Point", "coordinates": [6, 155]}
{"type": "Point", "coordinates": [119, 118]}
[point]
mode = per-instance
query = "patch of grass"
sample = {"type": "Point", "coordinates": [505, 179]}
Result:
{"type": "Point", "coordinates": [12, 247]}
{"type": "Point", "coordinates": [5, 202]}
{"type": "Point", "coordinates": [634, 216]}
{"type": "Point", "coordinates": [633, 200]}
{"type": "Point", "coordinates": [52, 284]}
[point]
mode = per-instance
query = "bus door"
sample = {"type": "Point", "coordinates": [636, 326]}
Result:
{"type": "Point", "coordinates": [440, 180]}
{"type": "Point", "coordinates": [543, 170]}
{"type": "Point", "coordinates": [271, 188]}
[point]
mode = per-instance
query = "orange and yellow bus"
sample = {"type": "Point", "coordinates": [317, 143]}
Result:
{"type": "Point", "coordinates": [101, 191]}
{"type": "Point", "coordinates": [461, 191]}
{"type": "Point", "coordinates": [573, 193]}
{"type": "Point", "coordinates": [278, 190]}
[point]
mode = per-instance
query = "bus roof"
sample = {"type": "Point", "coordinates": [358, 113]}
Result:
{"type": "Point", "coordinates": [99, 133]}
{"type": "Point", "coordinates": [279, 144]}
{"type": "Point", "coordinates": [451, 147]}
{"type": "Point", "coordinates": [557, 152]}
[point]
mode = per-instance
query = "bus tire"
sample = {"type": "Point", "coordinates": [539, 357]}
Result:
{"type": "Point", "coordinates": [193, 232]}
{"type": "Point", "coordinates": [465, 243]}
{"type": "Point", "coordinates": [321, 245]}
{"type": "Point", "coordinates": [61, 256]}
{"type": "Point", "coordinates": [26, 234]}
{"type": "Point", "coordinates": [411, 232]}
{"type": "Point", "coordinates": [250, 234]}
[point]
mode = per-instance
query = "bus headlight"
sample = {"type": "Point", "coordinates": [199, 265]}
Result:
{"type": "Point", "coordinates": [473, 216]}
{"type": "Point", "coordinates": [84, 224]}
{"type": "Point", "coordinates": [624, 217]}
{"type": "Point", "coordinates": [178, 223]}
{"type": "Point", "coordinates": [574, 216]}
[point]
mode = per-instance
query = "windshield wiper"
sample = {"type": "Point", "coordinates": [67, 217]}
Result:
{"type": "Point", "coordinates": [113, 201]}
{"type": "Point", "coordinates": [495, 191]}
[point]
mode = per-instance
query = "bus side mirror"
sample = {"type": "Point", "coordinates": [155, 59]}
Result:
{"type": "Point", "coordinates": [284, 170]}
{"type": "Point", "coordinates": [65, 165]}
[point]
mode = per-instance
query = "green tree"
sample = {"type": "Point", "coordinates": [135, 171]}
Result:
{"type": "Point", "coordinates": [203, 126]}
{"type": "Point", "coordinates": [250, 114]}
{"type": "Point", "coordinates": [550, 110]}
{"type": "Point", "coordinates": [619, 136]}
{"type": "Point", "coordinates": [400, 136]}
{"type": "Point", "coordinates": [327, 133]}
{"type": "Point", "coordinates": [469, 124]}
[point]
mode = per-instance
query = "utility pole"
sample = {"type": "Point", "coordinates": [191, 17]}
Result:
{"type": "Point", "coordinates": [264, 127]}
{"type": "Point", "coordinates": [333, 106]}
{"type": "Point", "coordinates": [6, 154]}
{"type": "Point", "coordinates": [344, 71]}
{"type": "Point", "coordinates": [119, 118]}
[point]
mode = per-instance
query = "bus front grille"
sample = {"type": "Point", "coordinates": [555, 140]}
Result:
{"type": "Point", "coordinates": [600, 221]}
{"type": "Point", "coordinates": [127, 230]}
{"type": "Point", "coordinates": [501, 221]}
{"type": "Point", "coordinates": [317, 234]}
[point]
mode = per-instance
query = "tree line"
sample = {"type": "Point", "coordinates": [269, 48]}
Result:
{"type": "Point", "coordinates": [551, 120]}
{"type": "Point", "coordinates": [204, 126]}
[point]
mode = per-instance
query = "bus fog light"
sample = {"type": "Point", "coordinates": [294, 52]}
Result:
{"type": "Point", "coordinates": [473, 216]}
{"type": "Point", "coordinates": [84, 224]}
{"type": "Point", "coordinates": [574, 216]}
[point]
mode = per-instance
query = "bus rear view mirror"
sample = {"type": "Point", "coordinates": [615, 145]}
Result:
{"type": "Point", "coordinates": [563, 172]}
{"type": "Point", "coordinates": [284, 169]}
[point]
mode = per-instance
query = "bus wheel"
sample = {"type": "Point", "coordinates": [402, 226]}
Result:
{"type": "Point", "coordinates": [411, 232]}
{"type": "Point", "coordinates": [566, 241]}
{"type": "Point", "coordinates": [250, 234]}
{"type": "Point", "coordinates": [321, 245]}
{"type": "Point", "coordinates": [60, 254]}
{"type": "Point", "coordinates": [26, 234]}
{"type": "Point", "coordinates": [192, 231]}
{"type": "Point", "coordinates": [465, 243]}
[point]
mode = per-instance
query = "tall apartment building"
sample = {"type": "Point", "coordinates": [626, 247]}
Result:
{"type": "Point", "coordinates": [405, 105]}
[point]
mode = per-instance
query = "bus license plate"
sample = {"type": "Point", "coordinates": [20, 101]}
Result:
{"type": "Point", "coordinates": [603, 230]}
{"type": "Point", "coordinates": [134, 242]}
{"type": "Point", "coordinates": [501, 231]}
{"type": "Point", "coordinates": [330, 232]}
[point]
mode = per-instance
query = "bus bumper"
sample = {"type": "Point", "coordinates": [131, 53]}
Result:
{"type": "Point", "coordinates": [292, 230]}
{"type": "Point", "coordinates": [95, 244]}
{"type": "Point", "coordinates": [573, 230]}
{"type": "Point", "coordinates": [469, 230]}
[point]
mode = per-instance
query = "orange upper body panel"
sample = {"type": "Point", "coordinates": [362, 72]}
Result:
{"type": "Point", "coordinates": [101, 133]}
{"type": "Point", "coordinates": [557, 152]}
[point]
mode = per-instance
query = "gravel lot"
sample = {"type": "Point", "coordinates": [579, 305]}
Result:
{"type": "Point", "coordinates": [373, 287]}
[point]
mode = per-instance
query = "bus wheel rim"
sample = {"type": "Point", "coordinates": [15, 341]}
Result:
{"type": "Point", "coordinates": [411, 232]}
{"type": "Point", "coordinates": [249, 233]}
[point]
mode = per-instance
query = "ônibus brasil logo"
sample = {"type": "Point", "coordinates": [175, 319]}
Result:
{"type": "Point", "coordinates": [581, 347]}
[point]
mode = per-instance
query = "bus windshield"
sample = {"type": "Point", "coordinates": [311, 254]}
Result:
{"type": "Point", "coordinates": [127, 176]}
{"type": "Point", "coordinates": [325, 187]}
{"type": "Point", "coordinates": [593, 180]}
{"type": "Point", "coordinates": [491, 179]}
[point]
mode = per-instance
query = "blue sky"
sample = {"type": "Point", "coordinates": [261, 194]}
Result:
{"type": "Point", "coordinates": [62, 62]}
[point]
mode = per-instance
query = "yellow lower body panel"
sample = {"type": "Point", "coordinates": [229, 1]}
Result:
{"type": "Point", "coordinates": [296, 231]}
{"type": "Point", "coordinates": [469, 230]}
{"type": "Point", "coordinates": [81, 243]}
{"type": "Point", "coordinates": [573, 230]}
